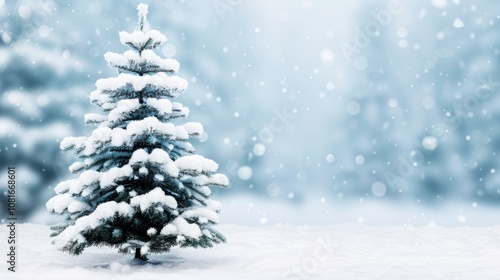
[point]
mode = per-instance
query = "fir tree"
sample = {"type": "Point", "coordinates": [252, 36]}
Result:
{"type": "Point", "coordinates": [142, 188]}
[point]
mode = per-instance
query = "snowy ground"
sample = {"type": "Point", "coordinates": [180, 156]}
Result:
{"type": "Point", "coordinates": [280, 252]}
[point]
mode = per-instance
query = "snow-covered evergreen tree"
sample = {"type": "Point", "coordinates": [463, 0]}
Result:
{"type": "Point", "coordinates": [142, 187]}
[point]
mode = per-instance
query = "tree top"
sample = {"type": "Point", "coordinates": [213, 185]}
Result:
{"type": "Point", "coordinates": [142, 13]}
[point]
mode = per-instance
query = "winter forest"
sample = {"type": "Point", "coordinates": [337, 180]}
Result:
{"type": "Point", "coordinates": [375, 119]}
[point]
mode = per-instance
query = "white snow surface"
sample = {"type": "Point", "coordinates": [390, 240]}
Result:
{"type": "Point", "coordinates": [119, 136]}
{"type": "Point", "coordinates": [76, 166]}
{"type": "Point", "coordinates": [201, 213]}
{"type": "Point", "coordinates": [102, 212]}
{"type": "Point", "coordinates": [59, 203]}
{"type": "Point", "coordinates": [151, 231]}
{"type": "Point", "coordinates": [157, 195]}
{"type": "Point", "coordinates": [153, 125]}
{"type": "Point", "coordinates": [183, 111]}
{"type": "Point", "coordinates": [214, 205]}
{"type": "Point", "coordinates": [216, 179]}
{"type": "Point", "coordinates": [140, 38]}
{"type": "Point", "coordinates": [94, 118]}
{"type": "Point", "coordinates": [193, 128]}
{"type": "Point", "coordinates": [168, 63]}
{"type": "Point", "coordinates": [77, 185]}
{"type": "Point", "coordinates": [146, 57]}
{"type": "Point", "coordinates": [139, 155]}
{"type": "Point", "coordinates": [109, 177]}
{"type": "Point", "coordinates": [158, 156]}
{"type": "Point", "coordinates": [125, 106]}
{"type": "Point", "coordinates": [278, 252]}
{"type": "Point", "coordinates": [160, 80]}
{"type": "Point", "coordinates": [72, 141]}
{"type": "Point", "coordinates": [197, 163]}
{"type": "Point", "coordinates": [164, 106]}
{"type": "Point", "coordinates": [122, 107]}
{"type": "Point", "coordinates": [77, 206]}
{"type": "Point", "coordinates": [143, 9]}
{"type": "Point", "coordinates": [181, 228]}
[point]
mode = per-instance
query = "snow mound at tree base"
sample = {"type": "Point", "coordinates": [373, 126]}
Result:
{"type": "Point", "coordinates": [278, 252]}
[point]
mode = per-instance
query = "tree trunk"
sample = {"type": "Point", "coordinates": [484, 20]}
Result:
{"type": "Point", "coordinates": [138, 253]}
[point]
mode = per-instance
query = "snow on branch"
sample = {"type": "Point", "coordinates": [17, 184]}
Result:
{"type": "Point", "coordinates": [163, 106]}
{"type": "Point", "coordinates": [129, 109]}
{"type": "Point", "coordinates": [110, 177]}
{"type": "Point", "coordinates": [214, 205]}
{"type": "Point", "coordinates": [60, 203]}
{"type": "Point", "coordinates": [92, 118]}
{"type": "Point", "coordinates": [107, 98]}
{"type": "Point", "coordinates": [215, 179]}
{"type": "Point", "coordinates": [181, 226]}
{"type": "Point", "coordinates": [140, 41]}
{"type": "Point", "coordinates": [103, 136]}
{"type": "Point", "coordinates": [123, 106]}
{"type": "Point", "coordinates": [69, 143]}
{"type": "Point", "coordinates": [193, 128]}
{"type": "Point", "coordinates": [139, 83]}
{"type": "Point", "coordinates": [201, 214]}
{"type": "Point", "coordinates": [196, 163]}
{"type": "Point", "coordinates": [144, 63]}
{"type": "Point", "coordinates": [103, 212]}
{"type": "Point", "coordinates": [143, 13]}
{"type": "Point", "coordinates": [157, 156]}
{"type": "Point", "coordinates": [156, 196]}
{"type": "Point", "coordinates": [151, 125]}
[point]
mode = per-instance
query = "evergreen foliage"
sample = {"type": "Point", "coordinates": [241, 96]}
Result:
{"type": "Point", "coordinates": [141, 188]}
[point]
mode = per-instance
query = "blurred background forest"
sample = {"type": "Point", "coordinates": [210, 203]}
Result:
{"type": "Point", "coordinates": [314, 109]}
